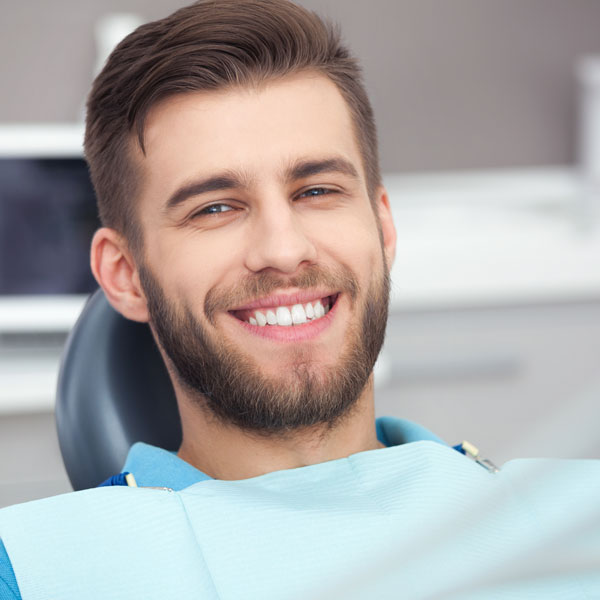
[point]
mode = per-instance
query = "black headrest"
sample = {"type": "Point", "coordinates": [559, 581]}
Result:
{"type": "Point", "coordinates": [113, 391]}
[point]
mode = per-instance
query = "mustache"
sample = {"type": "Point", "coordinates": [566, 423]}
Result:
{"type": "Point", "coordinates": [253, 286]}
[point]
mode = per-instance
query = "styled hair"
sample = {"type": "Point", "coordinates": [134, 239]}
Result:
{"type": "Point", "coordinates": [209, 45]}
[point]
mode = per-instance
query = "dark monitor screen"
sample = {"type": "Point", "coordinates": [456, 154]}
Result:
{"type": "Point", "coordinates": [47, 219]}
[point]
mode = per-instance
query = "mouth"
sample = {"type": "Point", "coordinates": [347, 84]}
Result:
{"type": "Point", "coordinates": [276, 312]}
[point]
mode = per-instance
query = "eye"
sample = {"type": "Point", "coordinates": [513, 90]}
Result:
{"type": "Point", "coordinates": [214, 209]}
{"type": "Point", "coordinates": [316, 191]}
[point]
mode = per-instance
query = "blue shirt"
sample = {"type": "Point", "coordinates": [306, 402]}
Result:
{"type": "Point", "coordinates": [155, 467]}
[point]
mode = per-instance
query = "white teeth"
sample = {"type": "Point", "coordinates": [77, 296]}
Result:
{"type": "Point", "coordinates": [298, 314]}
{"type": "Point", "coordinates": [310, 312]}
{"type": "Point", "coordinates": [284, 316]}
{"type": "Point", "coordinates": [319, 310]}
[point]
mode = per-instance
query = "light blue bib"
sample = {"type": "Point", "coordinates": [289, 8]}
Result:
{"type": "Point", "coordinates": [413, 521]}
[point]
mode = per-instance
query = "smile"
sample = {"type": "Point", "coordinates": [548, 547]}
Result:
{"type": "Point", "coordinates": [287, 315]}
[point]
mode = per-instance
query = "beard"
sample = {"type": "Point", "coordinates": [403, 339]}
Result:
{"type": "Point", "coordinates": [228, 382]}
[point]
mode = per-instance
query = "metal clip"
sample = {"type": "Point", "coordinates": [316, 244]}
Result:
{"type": "Point", "coordinates": [131, 482]}
{"type": "Point", "coordinates": [472, 452]}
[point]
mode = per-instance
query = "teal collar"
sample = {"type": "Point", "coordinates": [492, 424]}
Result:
{"type": "Point", "coordinates": [392, 431]}
{"type": "Point", "coordinates": [155, 467]}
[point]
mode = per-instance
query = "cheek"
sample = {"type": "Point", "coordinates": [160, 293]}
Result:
{"type": "Point", "coordinates": [352, 239]}
{"type": "Point", "coordinates": [190, 265]}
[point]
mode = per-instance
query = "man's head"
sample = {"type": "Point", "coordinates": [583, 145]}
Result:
{"type": "Point", "coordinates": [263, 238]}
{"type": "Point", "coordinates": [207, 46]}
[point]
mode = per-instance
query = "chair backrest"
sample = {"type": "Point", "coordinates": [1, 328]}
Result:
{"type": "Point", "coordinates": [113, 391]}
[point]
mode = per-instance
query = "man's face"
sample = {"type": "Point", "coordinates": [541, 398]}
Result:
{"type": "Point", "coordinates": [263, 265]}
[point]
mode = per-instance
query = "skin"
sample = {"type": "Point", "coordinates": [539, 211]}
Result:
{"type": "Point", "coordinates": [267, 223]}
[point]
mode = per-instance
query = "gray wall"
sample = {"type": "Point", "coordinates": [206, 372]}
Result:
{"type": "Point", "coordinates": [456, 84]}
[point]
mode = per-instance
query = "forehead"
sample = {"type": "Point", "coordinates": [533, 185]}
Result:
{"type": "Point", "coordinates": [254, 130]}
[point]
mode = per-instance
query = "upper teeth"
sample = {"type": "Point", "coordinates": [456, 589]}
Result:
{"type": "Point", "coordinates": [294, 315]}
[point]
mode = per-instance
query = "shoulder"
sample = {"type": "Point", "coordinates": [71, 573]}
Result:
{"type": "Point", "coordinates": [9, 590]}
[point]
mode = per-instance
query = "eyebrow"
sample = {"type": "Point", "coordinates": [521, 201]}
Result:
{"type": "Point", "coordinates": [225, 181]}
{"type": "Point", "coordinates": [306, 168]}
{"type": "Point", "coordinates": [229, 180]}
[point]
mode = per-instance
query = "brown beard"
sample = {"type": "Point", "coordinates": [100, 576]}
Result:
{"type": "Point", "coordinates": [228, 383]}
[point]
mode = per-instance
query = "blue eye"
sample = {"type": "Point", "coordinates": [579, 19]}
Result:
{"type": "Point", "coordinates": [215, 209]}
{"type": "Point", "coordinates": [318, 191]}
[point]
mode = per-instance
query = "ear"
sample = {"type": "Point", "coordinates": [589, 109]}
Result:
{"type": "Point", "coordinates": [116, 272]}
{"type": "Point", "coordinates": [386, 222]}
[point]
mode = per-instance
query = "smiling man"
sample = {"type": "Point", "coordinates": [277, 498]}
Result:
{"type": "Point", "coordinates": [262, 268]}
{"type": "Point", "coordinates": [233, 151]}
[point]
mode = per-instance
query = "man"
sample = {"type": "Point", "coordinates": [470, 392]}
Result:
{"type": "Point", "coordinates": [233, 152]}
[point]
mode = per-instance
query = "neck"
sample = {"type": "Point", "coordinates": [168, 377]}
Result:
{"type": "Point", "coordinates": [223, 451]}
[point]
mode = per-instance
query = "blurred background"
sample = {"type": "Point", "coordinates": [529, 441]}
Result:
{"type": "Point", "coordinates": [489, 125]}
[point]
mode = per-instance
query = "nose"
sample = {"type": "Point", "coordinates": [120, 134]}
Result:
{"type": "Point", "coordinates": [279, 240]}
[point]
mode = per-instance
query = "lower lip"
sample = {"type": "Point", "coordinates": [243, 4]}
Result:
{"type": "Point", "coordinates": [292, 333]}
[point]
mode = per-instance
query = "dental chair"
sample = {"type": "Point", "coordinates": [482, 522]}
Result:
{"type": "Point", "coordinates": [113, 390]}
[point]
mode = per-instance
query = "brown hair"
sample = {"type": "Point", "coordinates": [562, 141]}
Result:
{"type": "Point", "coordinates": [209, 45]}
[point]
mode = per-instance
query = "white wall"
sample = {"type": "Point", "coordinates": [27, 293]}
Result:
{"type": "Point", "coordinates": [458, 84]}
